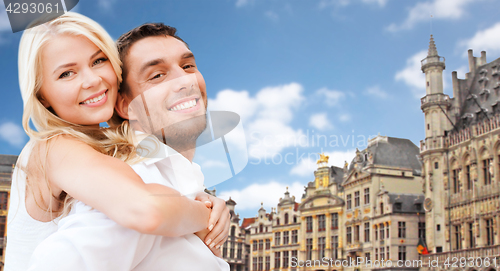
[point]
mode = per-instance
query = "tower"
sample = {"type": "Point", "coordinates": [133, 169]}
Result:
{"type": "Point", "coordinates": [435, 106]}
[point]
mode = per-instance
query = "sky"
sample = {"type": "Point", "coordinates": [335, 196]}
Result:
{"type": "Point", "coordinates": [306, 77]}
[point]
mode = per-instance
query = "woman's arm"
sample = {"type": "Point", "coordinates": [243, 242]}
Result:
{"type": "Point", "coordinates": [112, 187]}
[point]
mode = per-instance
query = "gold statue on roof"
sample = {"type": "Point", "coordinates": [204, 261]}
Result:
{"type": "Point", "coordinates": [323, 158]}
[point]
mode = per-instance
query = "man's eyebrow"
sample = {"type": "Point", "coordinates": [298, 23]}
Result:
{"type": "Point", "coordinates": [74, 64]}
{"type": "Point", "coordinates": [187, 55]}
{"type": "Point", "coordinates": [151, 63]}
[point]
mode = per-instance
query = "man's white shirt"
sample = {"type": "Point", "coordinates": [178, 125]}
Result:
{"type": "Point", "coordinates": [87, 239]}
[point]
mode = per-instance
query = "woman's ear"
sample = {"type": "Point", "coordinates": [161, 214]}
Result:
{"type": "Point", "coordinates": [123, 107]}
{"type": "Point", "coordinates": [43, 101]}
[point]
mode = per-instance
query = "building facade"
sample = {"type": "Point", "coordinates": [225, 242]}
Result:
{"type": "Point", "coordinates": [7, 163]}
{"type": "Point", "coordinates": [461, 164]}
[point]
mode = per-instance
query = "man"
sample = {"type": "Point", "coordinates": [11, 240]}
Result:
{"type": "Point", "coordinates": [163, 94]}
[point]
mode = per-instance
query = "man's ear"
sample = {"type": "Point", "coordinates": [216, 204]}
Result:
{"type": "Point", "coordinates": [123, 107]}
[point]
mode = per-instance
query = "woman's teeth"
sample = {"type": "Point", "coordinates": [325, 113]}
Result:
{"type": "Point", "coordinates": [185, 105]}
{"type": "Point", "coordinates": [94, 100]}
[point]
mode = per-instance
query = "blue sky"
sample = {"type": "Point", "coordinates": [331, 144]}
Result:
{"type": "Point", "coordinates": [295, 71]}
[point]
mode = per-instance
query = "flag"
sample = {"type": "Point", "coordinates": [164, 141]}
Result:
{"type": "Point", "coordinates": [422, 247]}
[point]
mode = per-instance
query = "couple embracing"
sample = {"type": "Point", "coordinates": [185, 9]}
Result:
{"type": "Point", "coordinates": [82, 198]}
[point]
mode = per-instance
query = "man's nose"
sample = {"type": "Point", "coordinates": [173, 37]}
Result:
{"type": "Point", "coordinates": [182, 81]}
{"type": "Point", "coordinates": [90, 79]}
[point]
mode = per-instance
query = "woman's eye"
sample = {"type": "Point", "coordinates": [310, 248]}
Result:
{"type": "Point", "coordinates": [99, 61]}
{"type": "Point", "coordinates": [65, 74]}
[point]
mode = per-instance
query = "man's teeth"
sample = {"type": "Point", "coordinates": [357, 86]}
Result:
{"type": "Point", "coordinates": [185, 105]}
{"type": "Point", "coordinates": [94, 100]}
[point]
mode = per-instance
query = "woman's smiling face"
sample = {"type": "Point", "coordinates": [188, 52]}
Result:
{"type": "Point", "coordinates": [79, 82]}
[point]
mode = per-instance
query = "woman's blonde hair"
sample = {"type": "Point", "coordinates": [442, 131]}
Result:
{"type": "Point", "coordinates": [116, 141]}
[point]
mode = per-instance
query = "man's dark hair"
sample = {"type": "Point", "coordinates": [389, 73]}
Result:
{"type": "Point", "coordinates": [126, 40]}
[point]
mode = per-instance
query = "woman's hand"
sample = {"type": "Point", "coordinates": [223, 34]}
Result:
{"type": "Point", "coordinates": [218, 223]}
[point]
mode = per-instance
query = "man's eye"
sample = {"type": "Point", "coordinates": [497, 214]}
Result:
{"type": "Point", "coordinates": [157, 76]}
{"type": "Point", "coordinates": [99, 61]}
{"type": "Point", "coordinates": [188, 66]}
{"type": "Point", "coordinates": [65, 74]}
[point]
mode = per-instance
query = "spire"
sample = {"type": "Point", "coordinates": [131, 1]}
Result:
{"type": "Point", "coordinates": [432, 48]}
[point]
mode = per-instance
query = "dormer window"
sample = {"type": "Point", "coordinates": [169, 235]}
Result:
{"type": "Point", "coordinates": [398, 206]}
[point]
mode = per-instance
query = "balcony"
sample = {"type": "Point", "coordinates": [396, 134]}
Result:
{"type": "Point", "coordinates": [435, 99]}
{"type": "Point", "coordinates": [433, 143]}
{"type": "Point", "coordinates": [469, 195]}
{"type": "Point", "coordinates": [482, 252]}
{"type": "Point", "coordinates": [433, 61]}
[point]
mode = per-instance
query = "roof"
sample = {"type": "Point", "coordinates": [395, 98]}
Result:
{"type": "Point", "coordinates": [336, 174]}
{"type": "Point", "coordinates": [6, 162]}
{"type": "Point", "coordinates": [390, 151]}
{"type": "Point", "coordinates": [408, 203]}
{"type": "Point", "coordinates": [247, 222]}
{"type": "Point", "coordinates": [483, 99]}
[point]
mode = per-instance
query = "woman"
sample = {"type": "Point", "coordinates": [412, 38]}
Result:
{"type": "Point", "coordinates": [69, 74]}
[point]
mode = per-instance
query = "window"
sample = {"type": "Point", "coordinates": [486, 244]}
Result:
{"type": "Point", "coordinates": [382, 253]}
{"type": "Point", "coordinates": [277, 237]}
{"type": "Point", "coordinates": [436, 165]}
{"type": "Point", "coordinates": [254, 263]}
{"type": "Point", "coordinates": [387, 231]}
{"type": "Point", "coordinates": [401, 229]}
{"type": "Point", "coordinates": [398, 206]}
{"type": "Point", "coordinates": [268, 244]}
{"type": "Point", "coordinates": [260, 264]}
{"type": "Point", "coordinates": [285, 259]}
{"type": "Point", "coordinates": [286, 218]}
{"type": "Point", "coordinates": [381, 208]}
{"type": "Point", "coordinates": [309, 224]}
{"type": "Point", "coordinates": [294, 255]}
{"type": "Point", "coordinates": [457, 232]}
{"type": "Point", "coordinates": [239, 251]}
{"type": "Point", "coordinates": [294, 219]}
{"type": "Point", "coordinates": [421, 230]}
{"type": "Point", "coordinates": [224, 250]}
{"type": "Point", "coordinates": [367, 257]}
{"type": "Point", "coordinates": [231, 252]}
{"type": "Point", "coordinates": [277, 260]}
{"type": "Point", "coordinates": [356, 233]}
{"type": "Point", "coordinates": [321, 247]}
{"type": "Point", "coordinates": [321, 222]}
{"type": "Point", "coordinates": [309, 247]}
{"type": "Point", "coordinates": [367, 232]}
{"type": "Point", "coordinates": [3, 200]}
{"type": "Point", "coordinates": [472, 241]}
{"type": "Point", "coordinates": [268, 263]}
{"type": "Point", "coordinates": [294, 237]}
{"type": "Point", "coordinates": [356, 199]}
{"type": "Point", "coordinates": [418, 206]}
{"type": "Point", "coordinates": [261, 228]}
{"type": "Point", "coordinates": [254, 246]}
{"type": "Point", "coordinates": [335, 246]}
{"type": "Point", "coordinates": [438, 227]}
{"type": "Point", "coordinates": [349, 235]}
{"type": "Point", "coordinates": [349, 202]}
{"type": "Point", "coordinates": [335, 220]}
{"type": "Point", "coordinates": [233, 230]}
{"type": "Point", "coordinates": [490, 237]}
{"type": "Point", "coordinates": [486, 170]}
{"type": "Point", "coordinates": [277, 221]}
{"type": "Point", "coordinates": [367, 195]}
{"type": "Point", "coordinates": [402, 253]}
{"type": "Point", "coordinates": [382, 231]}
{"type": "Point", "coordinates": [286, 237]}
{"type": "Point", "coordinates": [454, 177]}
{"type": "Point", "coordinates": [376, 254]}
{"type": "Point", "coordinates": [388, 253]}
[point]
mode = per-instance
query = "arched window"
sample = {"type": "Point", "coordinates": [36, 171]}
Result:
{"type": "Point", "coordinates": [277, 221]}
{"type": "Point", "coordinates": [294, 219]}
{"type": "Point", "coordinates": [381, 208]}
{"type": "Point", "coordinates": [286, 218]}
{"type": "Point", "coordinates": [233, 230]}
{"type": "Point", "coordinates": [261, 228]}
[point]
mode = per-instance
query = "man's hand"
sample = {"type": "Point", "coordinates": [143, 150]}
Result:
{"type": "Point", "coordinates": [218, 223]}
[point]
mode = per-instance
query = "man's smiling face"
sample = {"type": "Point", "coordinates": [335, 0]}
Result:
{"type": "Point", "coordinates": [163, 79]}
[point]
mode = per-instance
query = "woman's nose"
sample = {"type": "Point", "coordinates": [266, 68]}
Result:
{"type": "Point", "coordinates": [90, 79]}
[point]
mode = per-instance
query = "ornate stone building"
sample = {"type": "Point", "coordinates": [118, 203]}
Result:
{"type": "Point", "coordinates": [461, 162]}
{"type": "Point", "coordinates": [235, 250]}
{"type": "Point", "coordinates": [382, 191]}
{"type": "Point", "coordinates": [7, 163]}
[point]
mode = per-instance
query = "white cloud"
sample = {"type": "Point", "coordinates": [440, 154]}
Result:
{"type": "Point", "coordinates": [345, 117]}
{"type": "Point", "coordinates": [13, 134]}
{"type": "Point", "coordinates": [307, 166]}
{"type": "Point", "coordinates": [106, 5]}
{"type": "Point", "coordinates": [412, 74]}
{"type": "Point", "coordinates": [484, 40]}
{"type": "Point", "coordinates": [343, 3]}
{"type": "Point", "coordinates": [381, 3]}
{"type": "Point", "coordinates": [265, 117]}
{"type": "Point", "coordinates": [272, 15]}
{"type": "Point", "coordinates": [332, 97]}
{"type": "Point", "coordinates": [320, 121]}
{"type": "Point", "coordinates": [250, 197]}
{"type": "Point", "coordinates": [439, 9]}
{"type": "Point", "coordinates": [242, 3]}
{"type": "Point", "coordinates": [375, 91]}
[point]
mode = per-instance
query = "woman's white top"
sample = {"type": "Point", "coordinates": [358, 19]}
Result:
{"type": "Point", "coordinates": [24, 233]}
